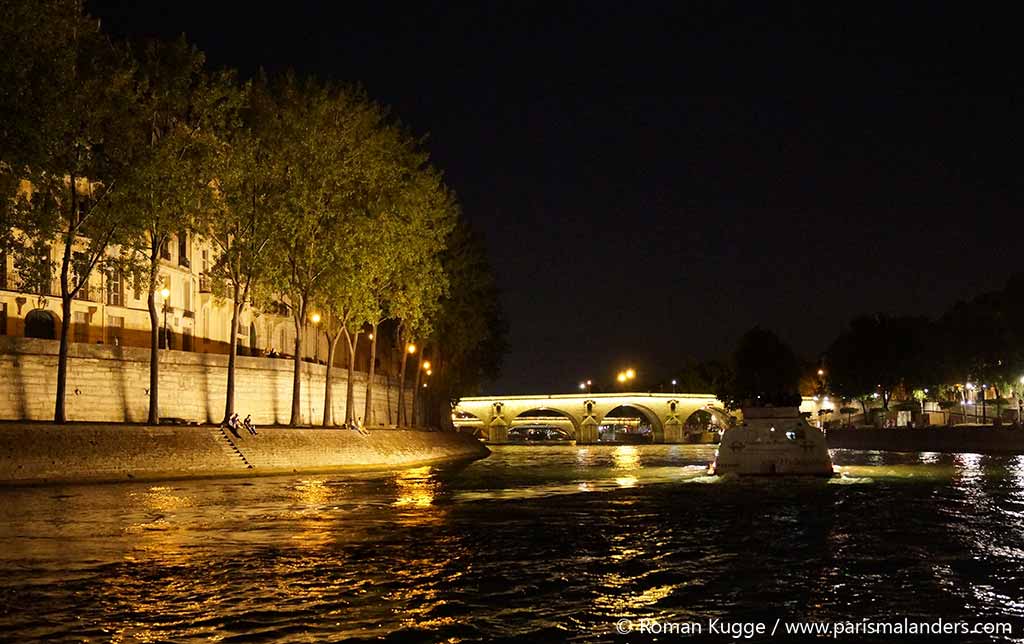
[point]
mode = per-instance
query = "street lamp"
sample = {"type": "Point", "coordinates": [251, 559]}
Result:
{"type": "Point", "coordinates": [674, 383]}
{"type": "Point", "coordinates": [316, 337]}
{"type": "Point", "coordinates": [625, 376]}
{"type": "Point", "coordinates": [165, 293]}
{"type": "Point", "coordinates": [426, 365]}
{"type": "Point", "coordinates": [411, 348]}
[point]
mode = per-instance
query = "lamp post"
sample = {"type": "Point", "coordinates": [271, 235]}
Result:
{"type": "Point", "coordinates": [674, 383]}
{"type": "Point", "coordinates": [316, 337]}
{"type": "Point", "coordinates": [165, 293]}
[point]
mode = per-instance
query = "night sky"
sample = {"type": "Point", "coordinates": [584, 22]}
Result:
{"type": "Point", "coordinates": [653, 179]}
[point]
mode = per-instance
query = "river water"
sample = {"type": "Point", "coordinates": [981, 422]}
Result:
{"type": "Point", "coordinates": [531, 544]}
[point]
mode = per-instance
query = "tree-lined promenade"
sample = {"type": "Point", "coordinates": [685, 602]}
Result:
{"type": "Point", "coordinates": [316, 200]}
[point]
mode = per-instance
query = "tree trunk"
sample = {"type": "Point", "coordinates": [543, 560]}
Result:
{"type": "Point", "coordinates": [350, 386]}
{"type": "Point", "coordinates": [368, 418]}
{"type": "Point", "coordinates": [296, 416]}
{"type": "Point", "coordinates": [60, 409]}
{"type": "Point", "coordinates": [229, 402]}
{"type": "Point", "coordinates": [402, 417]}
{"type": "Point", "coordinates": [416, 389]}
{"type": "Point", "coordinates": [154, 336]}
{"type": "Point", "coordinates": [59, 412]}
{"type": "Point", "coordinates": [332, 343]}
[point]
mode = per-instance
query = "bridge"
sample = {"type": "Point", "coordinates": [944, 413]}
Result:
{"type": "Point", "coordinates": [581, 415]}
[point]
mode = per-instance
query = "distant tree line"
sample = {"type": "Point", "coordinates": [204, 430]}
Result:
{"type": "Point", "coordinates": [316, 198]}
{"type": "Point", "coordinates": [879, 358]}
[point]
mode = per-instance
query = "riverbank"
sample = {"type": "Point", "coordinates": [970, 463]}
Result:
{"type": "Point", "coordinates": [33, 453]}
{"type": "Point", "coordinates": [979, 439]}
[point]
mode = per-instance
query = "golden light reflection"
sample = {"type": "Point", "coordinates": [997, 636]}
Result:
{"type": "Point", "coordinates": [626, 457]}
{"type": "Point", "coordinates": [163, 536]}
{"type": "Point", "coordinates": [626, 481]}
{"type": "Point", "coordinates": [313, 526]}
{"type": "Point", "coordinates": [313, 492]}
{"type": "Point", "coordinates": [415, 488]}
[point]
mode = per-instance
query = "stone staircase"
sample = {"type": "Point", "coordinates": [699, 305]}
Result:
{"type": "Point", "coordinates": [228, 446]}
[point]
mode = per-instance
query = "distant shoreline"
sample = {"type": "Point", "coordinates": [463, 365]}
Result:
{"type": "Point", "coordinates": [970, 439]}
{"type": "Point", "coordinates": [42, 453]}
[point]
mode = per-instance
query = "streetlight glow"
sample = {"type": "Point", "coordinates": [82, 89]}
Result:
{"type": "Point", "coordinates": [583, 386]}
{"type": "Point", "coordinates": [316, 318]}
{"type": "Point", "coordinates": [630, 374]}
{"type": "Point", "coordinates": [165, 292]}
{"type": "Point", "coordinates": [426, 365]}
{"type": "Point", "coordinates": [411, 348]}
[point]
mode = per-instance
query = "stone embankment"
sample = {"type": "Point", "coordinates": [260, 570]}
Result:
{"type": "Point", "coordinates": [978, 439]}
{"type": "Point", "coordinates": [41, 453]}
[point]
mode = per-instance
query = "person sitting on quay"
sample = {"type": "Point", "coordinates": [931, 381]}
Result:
{"type": "Point", "coordinates": [247, 423]}
{"type": "Point", "coordinates": [232, 424]}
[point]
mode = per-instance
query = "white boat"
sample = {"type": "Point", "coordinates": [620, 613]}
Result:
{"type": "Point", "coordinates": [772, 441]}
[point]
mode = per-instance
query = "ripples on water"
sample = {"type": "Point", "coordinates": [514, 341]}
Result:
{"type": "Point", "coordinates": [531, 544]}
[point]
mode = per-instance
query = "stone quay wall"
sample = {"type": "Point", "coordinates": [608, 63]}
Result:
{"type": "Point", "coordinates": [111, 384]}
{"type": "Point", "coordinates": [37, 453]}
{"type": "Point", "coordinates": [969, 439]}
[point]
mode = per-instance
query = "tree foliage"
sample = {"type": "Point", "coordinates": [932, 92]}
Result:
{"type": "Point", "coordinates": [765, 372]}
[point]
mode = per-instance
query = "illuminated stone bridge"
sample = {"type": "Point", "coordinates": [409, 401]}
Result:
{"type": "Point", "coordinates": [580, 415]}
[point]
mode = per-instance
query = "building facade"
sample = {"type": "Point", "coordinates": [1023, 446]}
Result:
{"type": "Point", "coordinates": [111, 310]}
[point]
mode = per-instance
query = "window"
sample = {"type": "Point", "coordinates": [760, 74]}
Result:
{"type": "Point", "coordinates": [186, 295]}
{"type": "Point", "coordinates": [37, 275]}
{"type": "Point", "coordinates": [3, 269]}
{"type": "Point", "coordinates": [183, 249]}
{"type": "Point", "coordinates": [79, 261]}
{"type": "Point", "coordinates": [115, 288]}
{"type": "Point", "coordinates": [81, 326]}
{"type": "Point", "coordinates": [115, 330]}
{"type": "Point", "coordinates": [186, 339]}
{"type": "Point", "coordinates": [3, 318]}
{"type": "Point", "coordinates": [165, 250]}
{"type": "Point", "coordinates": [204, 267]}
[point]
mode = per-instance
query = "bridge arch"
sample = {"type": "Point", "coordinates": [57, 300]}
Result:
{"type": "Point", "coordinates": [548, 411]}
{"type": "Point", "coordinates": [646, 413]}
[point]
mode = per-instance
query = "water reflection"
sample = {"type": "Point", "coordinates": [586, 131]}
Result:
{"type": "Point", "coordinates": [626, 457]}
{"type": "Point", "coordinates": [416, 488]}
{"type": "Point", "coordinates": [626, 481]}
{"type": "Point", "coordinates": [532, 544]}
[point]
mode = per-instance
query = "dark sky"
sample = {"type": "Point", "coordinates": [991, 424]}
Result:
{"type": "Point", "coordinates": [652, 179]}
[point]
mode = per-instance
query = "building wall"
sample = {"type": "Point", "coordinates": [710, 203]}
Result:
{"type": "Point", "coordinates": [112, 312]}
{"type": "Point", "coordinates": [108, 383]}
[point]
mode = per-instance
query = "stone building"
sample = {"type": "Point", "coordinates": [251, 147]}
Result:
{"type": "Point", "coordinates": [111, 311]}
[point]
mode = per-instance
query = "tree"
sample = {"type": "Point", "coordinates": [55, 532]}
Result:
{"type": "Point", "coordinates": [470, 332]}
{"type": "Point", "coordinates": [765, 372]}
{"type": "Point", "coordinates": [411, 285]}
{"type": "Point", "coordinates": [250, 180]}
{"type": "Point", "coordinates": [325, 147]}
{"type": "Point", "coordinates": [877, 354]}
{"type": "Point", "coordinates": [179, 109]}
{"type": "Point", "coordinates": [65, 92]}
